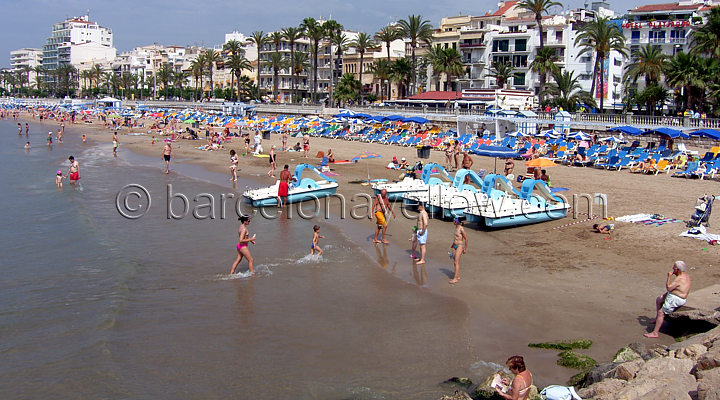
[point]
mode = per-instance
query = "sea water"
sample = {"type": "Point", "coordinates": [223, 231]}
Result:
{"type": "Point", "coordinates": [96, 305]}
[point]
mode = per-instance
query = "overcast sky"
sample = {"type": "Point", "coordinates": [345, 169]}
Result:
{"type": "Point", "coordinates": [27, 23]}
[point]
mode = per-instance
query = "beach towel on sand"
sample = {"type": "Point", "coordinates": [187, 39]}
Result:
{"type": "Point", "coordinates": [700, 233]}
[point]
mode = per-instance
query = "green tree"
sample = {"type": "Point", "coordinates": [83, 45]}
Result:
{"type": "Point", "coordinates": [292, 35]}
{"type": "Point", "coordinates": [333, 30]}
{"type": "Point", "coordinates": [401, 72]}
{"type": "Point", "coordinates": [362, 44]}
{"type": "Point", "coordinates": [544, 64]}
{"type": "Point", "coordinates": [301, 63]}
{"type": "Point", "coordinates": [276, 61]}
{"type": "Point", "coordinates": [649, 63]}
{"type": "Point", "coordinates": [566, 92]}
{"type": "Point", "coordinates": [164, 74]}
{"type": "Point", "coordinates": [501, 71]}
{"type": "Point", "coordinates": [448, 62]}
{"type": "Point", "coordinates": [417, 30]}
{"type": "Point", "coordinates": [232, 48]}
{"type": "Point", "coordinates": [706, 39]}
{"type": "Point", "coordinates": [652, 96]}
{"type": "Point", "coordinates": [538, 8]}
{"type": "Point", "coordinates": [212, 57]}
{"type": "Point", "coordinates": [178, 80]}
{"type": "Point", "coordinates": [348, 88]}
{"type": "Point", "coordinates": [66, 76]}
{"type": "Point", "coordinates": [315, 33]}
{"type": "Point", "coordinates": [381, 70]}
{"type": "Point", "coordinates": [237, 63]}
{"type": "Point", "coordinates": [39, 78]}
{"type": "Point", "coordinates": [601, 37]}
{"type": "Point", "coordinates": [259, 39]}
{"type": "Point", "coordinates": [387, 35]}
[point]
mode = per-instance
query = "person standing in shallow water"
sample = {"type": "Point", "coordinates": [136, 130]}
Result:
{"type": "Point", "coordinates": [167, 154]}
{"type": "Point", "coordinates": [242, 245]}
{"type": "Point", "coordinates": [73, 171]}
{"type": "Point", "coordinates": [459, 247]}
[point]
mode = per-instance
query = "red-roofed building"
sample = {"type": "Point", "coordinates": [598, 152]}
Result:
{"type": "Point", "coordinates": [437, 95]}
{"type": "Point", "coordinates": [667, 25]}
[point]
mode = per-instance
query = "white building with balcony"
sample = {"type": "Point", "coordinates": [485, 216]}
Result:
{"type": "Point", "coordinates": [77, 40]}
{"type": "Point", "coordinates": [27, 57]}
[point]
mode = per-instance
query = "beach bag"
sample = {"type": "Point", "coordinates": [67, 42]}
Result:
{"type": "Point", "coordinates": [556, 392]}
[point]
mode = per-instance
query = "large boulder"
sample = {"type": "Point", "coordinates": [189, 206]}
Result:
{"type": "Point", "coordinates": [661, 378]}
{"type": "Point", "coordinates": [692, 351]}
{"type": "Point", "coordinates": [626, 354]}
{"type": "Point", "coordinates": [485, 391]}
{"type": "Point", "coordinates": [604, 390]}
{"type": "Point", "coordinates": [709, 360]}
{"type": "Point", "coordinates": [709, 385]}
{"type": "Point", "coordinates": [458, 395]}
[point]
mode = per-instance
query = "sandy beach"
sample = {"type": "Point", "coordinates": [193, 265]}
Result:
{"type": "Point", "coordinates": [527, 284]}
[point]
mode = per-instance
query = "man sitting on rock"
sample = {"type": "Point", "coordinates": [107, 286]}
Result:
{"type": "Point", "coordinates": [676, 295]}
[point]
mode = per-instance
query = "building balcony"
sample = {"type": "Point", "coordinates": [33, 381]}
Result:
{"type": "Point", "coordinates": [555, 44]}
{"type": "Point", "coordinates": [472, 45]}
{"type": "Point", "coordinates": [658, 41]}
{"type": "Point", "coordinates": [677, 40]}
{"type": "Point", "coordinates": [476, 61]}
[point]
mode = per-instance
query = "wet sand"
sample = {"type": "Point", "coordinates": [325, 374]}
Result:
{"type": "Point", "coordinates": [521, 285]}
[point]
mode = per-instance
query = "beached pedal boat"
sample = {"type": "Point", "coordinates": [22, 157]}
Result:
{"type": "Point", "coordinates": [506, 207]}
{"type": "Point", "coordinates": [452, 202]}
{"type": "Point", "coordinates": [431, 174]}
{"type": "Point", "coordinates": [301, 189]}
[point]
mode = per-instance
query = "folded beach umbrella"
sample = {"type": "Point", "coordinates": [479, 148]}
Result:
{"type": "Point", "coordinates": [628, 130]}
{"type": "Point", "coordinates": [541, 162]}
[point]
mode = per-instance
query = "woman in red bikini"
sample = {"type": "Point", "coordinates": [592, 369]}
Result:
{"type": "Point", "coordinates": [242, 245]}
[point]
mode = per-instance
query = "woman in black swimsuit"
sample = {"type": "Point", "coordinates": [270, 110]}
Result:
{"type": "Point", "coordinates": [273, 155]}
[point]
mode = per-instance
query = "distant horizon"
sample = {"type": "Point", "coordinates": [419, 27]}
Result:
{"type": "Point", "coordinates": [186, 23]}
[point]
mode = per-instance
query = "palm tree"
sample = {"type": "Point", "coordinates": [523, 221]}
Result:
{"type": "Point", "coordinates": [543, 64]}
{"type": "Point", "coordinates": [232, 48]}
{"type": "Point", "coordinates": [706, 39]}
{"type": "Point", "coordinates": [501, 71]}
{"type": "Point", "coordinates": [315, 32]}
{"type": "Point", "coordinates": [341, 42]}
{"type": "Point", "coordinates": [362, 44]}
{"type": "Point", "coordinates": [567, 92]}
{"type": "Point", "coordinates": [301, 63]}
{"type": "Point", "coordinates": [653, 95]}
{"type": "Point", "coordinates": [96, 72]}
{"type": "Point", "coordinates": [197, 66]}
{"type": "Point", "coordinates": [401, 72]}
{"type": "Point", "coordinates": [164, 75]}
{"type": "Point", "coordinates": [237, 63]}
{"type": "Point", "coordinates": [128, 81]}
{"type": "Point", "coordinates": [649, 63]}
{"type": "Point", "coordinates": [451, 65]}
{"type": "Point", "coordinates": [107, 79]}
{"type": "Point", "coordinates": [39, 74]}
{"type": "Point", "coordinates": [387, 35]}
{"type": "Point", "coordinates": [259, 39]}
{"type": "Point", "coordinates": [602, 37]}
{"type": "Point", "coordinates": [682, 72]}
{"type": "Point", "coordinates": [277, 62]}
{"type": "Point", "coordinates": [434, 58]}
{"type": "Point", "coordinates": [292, 34]}
{"type": "Point", "coordinates": [538, 8]}
{"type": "Point", "coordinates": [66, 75]}
{"type": "Point", "coordinates": [333, 30]}
{"type": "Point", "coordinates": [178, 79]}
{"type": "Point", "coordinates": [381, 70]}
{"type": "Point", "coordinates": [212, 57]}
{"type": "Point", "coordinates": [347, 88]}
{"type": "Point", "coordinates": [21, 79]}
{"type": "Point", "coordinates": [416, 30]}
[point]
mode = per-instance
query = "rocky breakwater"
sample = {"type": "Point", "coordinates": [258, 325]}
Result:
{"type": "Point", "coordinates": [684, 370]}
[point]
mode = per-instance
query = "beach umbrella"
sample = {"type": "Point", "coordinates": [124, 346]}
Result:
{"type": "Point", "coordinates": [417, 120]}
{"type": "Point", "coordinates": [580, 135]}
{"type": "Point", "coordinates": [671, 133]}
{"type": "Point", "coordinates": [362, 115]}
{"type": "Point", "coordinates": [394, 118]}
{"type": "Point", "coordinates": [548, 134]}
{"type": "Point", "coordinates": [189, 121]}
{"type": "Point", "coordinates": [516, 134]}
{"type": "Point", "coordinates": [495, 152]}
{"type": "Point", "coordinates": [627, 129]}
{"type": "Point", "coordinates": [710, 133]}
{"type": "Point", "coordinates": [541, 163]}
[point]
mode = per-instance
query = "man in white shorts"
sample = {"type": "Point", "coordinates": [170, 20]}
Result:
{"type": "Point", "coordinates": [676, 295]}
{"type": "Point", "coordinates": [422, 231]}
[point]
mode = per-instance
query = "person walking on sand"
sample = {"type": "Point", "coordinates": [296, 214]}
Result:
{"type": "Point", "coordinates": [678, 290]}
{"type": "Point", "coordinates": [422, 232]}
{"type": "Point", "coordinates": [283, 186]}
{"type": "Point", "coordinates": [458, 248]}
{"type": "Point", "coordinates": [316, 240]}
{"type": "Point", "coordinates": [306, 145]}
{"type": "Point", "coordinates": [73, 171]}
{"type": "Point", "coordinates": [272, 158]}
{"type": "Point", "coordinates": [167, 154]}
{"type": "Point", "coordinates": [284, 141]}
{"type": "Point", "coordinates": [381, 207]}
{"type": "Point", "coordinates": [233, 165]}
{"type": "Point", "coordinates": [115, 143]}
{"type": "Point", "coordinates": [242, 245]}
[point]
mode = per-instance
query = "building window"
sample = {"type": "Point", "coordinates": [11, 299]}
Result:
{"type": "Point", "coordinates": [454, 46]}
{"type": "Point", "coordinates": [558, 36]}
{"type": "Point", "coordinates": [500, 59]}
{"type": "Point", "coordinates": [677, 36]}
{"type": "Point", "coordinates": [501, 45]}
{"type": "Point", "coordinates": [520, 44]}
{"type": "Point", "coordinates": [520, 61]}
{"type": "Point", "coordinates": [617, 62]}
{"type": "Point", "coordinates": [514, 28]}
{"type": "Point", "coordinates": [635, 36]}
{"type": "Point", "coordinates": [519, 79]}
{"type": "Point", "coordinates": [657, 36]}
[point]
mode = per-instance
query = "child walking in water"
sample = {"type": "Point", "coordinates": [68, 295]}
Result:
{"type": "Point", "coordinates": [316, 240]}
{"type": "Point", "coordinates": [59, 179]}
{"type": "Point", "coordinates": [242, 245]}
{"type": "Point", "coordinates": [233, 165]}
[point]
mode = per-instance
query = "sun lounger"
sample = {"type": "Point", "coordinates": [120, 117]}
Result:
{"type": "Point", "coordinates": [689, 170]}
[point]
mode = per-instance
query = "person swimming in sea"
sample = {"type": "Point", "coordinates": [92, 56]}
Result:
{"type": "Point", "coordinates": [316, 240]}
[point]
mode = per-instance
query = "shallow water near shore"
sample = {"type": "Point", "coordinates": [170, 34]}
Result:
{"type": "Point", "coordinates": [98, 305]}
